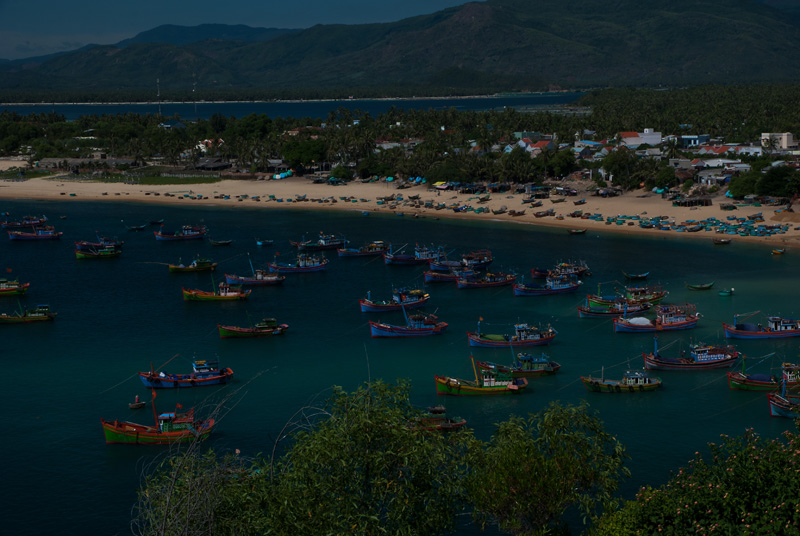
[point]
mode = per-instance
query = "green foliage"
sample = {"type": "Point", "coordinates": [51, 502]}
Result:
{"type": "Point", "coordinates": [303, 152]}
{"type": "Point", "coordinates": [779, 181]}
{"type": "Point", "coordinates": [341, 172]}
{"type": "Point", "coordinates": [533, 469]}
{"type": "Point", "coordinates": [744, 184]}
{"type": "Point", "coordinates": [747, 485]}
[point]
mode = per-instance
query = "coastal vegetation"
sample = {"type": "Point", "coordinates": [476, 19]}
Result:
{"type": "Point", "coordinates": [361, 463]}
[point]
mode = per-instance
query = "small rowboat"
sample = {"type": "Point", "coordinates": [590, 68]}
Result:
{"type": "Point", "coordinates": [635, 277]}
{"type": "Point", "coordinates": [137, 405]}
{"type": "Point", "coordinates": [779, 251]}
{"type": "Point", "coordinates": [220, 242]}
{"type": "Point", "coordinates": [701, 286]}
{"type": "Point", "coordinates": [721, 241]}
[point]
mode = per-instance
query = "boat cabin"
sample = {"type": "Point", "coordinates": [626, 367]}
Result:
{"type": "Point", "coordinates": [636, 377]}
{"type": "Point", "coordinates": [776, 323]}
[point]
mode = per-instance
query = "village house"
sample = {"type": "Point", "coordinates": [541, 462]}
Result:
{"type": "Point", "coordinates": [783, 141]}
{"type": "Point", "coordinates": [636, 139]}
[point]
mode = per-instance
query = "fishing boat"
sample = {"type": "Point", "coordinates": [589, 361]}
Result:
{"type": "Point", "coordinates": [417, 325]}
{"type": "Point", "coordinates": [742, 381]}
{"type": "Point", "coordinates": [779, 251]}
{"type": "Point", "coordinates": [197, 265]}
{"type": "Point", "coordinates": [489, 279]}
{"type": "Point", "coordinates": [102, 242]}
{"type": "Point", "coordinates": [487, 382]}
{"type": "Point", "coordinates": [259, 278]}
{"type": "Point", "coordinates": [324, 241]}
{"type": "Point", "coordinates": [187, 232]}
{"type": "Point", "coordinates": [305, 263]}
{"type": "Point", "coordinates": [668, 318]}
{"type": "Point", "coordinates": [721, 241]}
{"type": "Point", "coordinates": [13, 288]}
{"type": "Point", "coordinates": [372, 249]}
{"type": "Point", "coordinates": [433, 276]}
{"type": "Point", "coordinates": [137, 404]}
{"type": "Point", "coordinates": [783, 404]}
{"type": "Point", "coordinates": [421, 255]}
{"type": "Point", "coordinates": [525, 366]}
{"type": "Point", "coordinates": [524, 335]}
{"type": "Point", "coordinates": [619, 308]}
{"type": "Point", "coordinates": [701, 286]}
{"type": "Point", "coordinates": [437, 420]}
{"type": "Point", "coordinates": [726, 292]}
{"type": "Point", "coordinates": [267, 327]}
{"type": "Point", "coordinates": [260, 242]}
{"type": "Point", "coordinates": [203, 373]}
{"type": "Point", "coordinates": [136, 227]}
{"type": "Point", "coordinates": [26, 221]}
{"type": "Point", "coordinates": [700, 357]}
{"type": "Point", "coordinates": [224, 292]}
{"type": "Point", "coordinates": [402, 298]}
{"type": "Point", "coordinates": [220, 242]}
{"type": "Point", "coordinates": [40, 313]}
{"type": "Point", "coordinates": [169, 428]}
{"type": "Point", "coordinates": [37, 233]}
{"type": "Point", "coordinates": [577, 231]}
{"type": "Point", "coordinates": [776, 328]}
{"type": "Point", "coordinates": [632, 381]}
{"type": "Point", "coordinates": [635, 277]}
{"type": "Point", "coordinates": [552, 285]}
{"type": "Point", "coordinates": [108, 252]}
{"type": "Point", "coordinates": [578, 268]}
{"type": "Point", "coordinates": [474, 260]}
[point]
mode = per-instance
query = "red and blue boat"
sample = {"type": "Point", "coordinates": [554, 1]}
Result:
{"type": "Point", "coordinates": [524, 335]}
{"type": "Point", "coordinates": [421, 255]}
{"type": "Point", "coordinates": [417, 325]}
{"type": "Point", "coordinates": [102, 242]}
{"type": "Point", "coordinates": [36, 233]}
{"type": "Point", "coordinates": [203, 373]}
{"type": "Point", "coordinates": [742, 381]}
{"type": "Point", "coordinates": [26, 221]}
{"type": "Point", "coordinates": [402, 298]}
{"type": "Point", "coordinates": [700, 357]}
{"type": "Point", "coordinates": [668, 318]}
{"type": "Point", "coordinates": [783, 404]}
{"type": "Point", "coordinates": [323, 242]}
{"type": "Point", "coordinates": [525, 366]}
{"type": "Point", "coordinates": [553, 285]}
{"type": "Point", "coordinates": [305, 263]}
{"type": "Point", "coordinates": [489, 279]}
{"type": "Point", "coordinates": [776, 328]}
{"type": "Point", "coordinates": [187, 232]}
{"type": "Point", "coordinates": [169, 428]}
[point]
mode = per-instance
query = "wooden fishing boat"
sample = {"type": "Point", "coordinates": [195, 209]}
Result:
{"type": "Point", "coordinates": [721, 241]}
{"type": "Point", "coordinates": [224, 292]}
{"type": "Point", "coordinates": [187, 232]}
{"type": "Point", "coordinates": [401, 298]}
{"type": "Point", "coordinates": [487, 382]}
{"type": "Point", "coordinates": [421, 255]}
{"type": "Point", "coordinates": [203, 373]}
{"type": "Point", "coordinates": [373, 249]}
{"type": "Point", "coordinates": [437, 420]}
{"type": "Point", "coordinates": [169, 428]}
{"type": "Point", "coordinates": [742, 381]}
{"type": "Point", "coordinates": [635, 277]}
{"type": "Point", "coordinates": [701, 286]}
{"type": "Point", "coordinates": [576, 231]}
{"type": "Point", "coordinates": [40, 313]}
{"type": "Point", "coordinates": [523, 336]}
{"type": "Point", "coordinates": [417, 325]}
{"type": "Point", "coordinates": [102, 242]}
{"type": "Point", "coordinates": [324, 241]}
{"type": "Point", "coordinates": [474, 260]}
{"type": "Point", "coordinates": [525, 366]}
{"type": "Point", "coordinates": [553, 285]}
{"type": "Point", "coordinates": [619, 308]}
{"type": "Point", "coordinates": [577, 268]}
{"type": "Point", "coordinates": [496, 279]}
{"type": "Point", "coordinates": [108, 252]}
{"type": "Point", "coordinates": [668, 318]}
{"type": "Point", "coordinates": [701, 357]}
{"type": "Point", "coordinates": [268, 327]}
{"type": "Point", "coordinates": [632, 381]}
{"type": "Point", "coordinates": [136, 227]}
{"type": "Point", "coordinates": [259, 278]}
{"type": "Point", "coordinates": [776, 328]}
{"type": "Point", "coordinates": [433, 276]}
{"type": "Point", "coordinates": [783, 404]}
{"type": "Point", "coordinates": [157, 222]}
{"type": "Point", "coordinates": [220, 242]}
{"type": "Point", "coordinates": [13, 288]}
{"type": "Point", "coordinates": [137, 404]}
{"type": "Point", "coordinates": [26, 221]}
{"type": "Point", "coordinates": [305, 263]}
{"type": "Point", "coordinates": [37, 233]}
{"type": "Point", "coordinates": [197, 265]}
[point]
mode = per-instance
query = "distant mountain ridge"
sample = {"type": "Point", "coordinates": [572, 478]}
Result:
{"type": "Point", "coordinates": [496, 45]}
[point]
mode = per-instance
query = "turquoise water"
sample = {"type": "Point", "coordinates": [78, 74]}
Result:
{"type": "Point", "coordinates": [117, 316]}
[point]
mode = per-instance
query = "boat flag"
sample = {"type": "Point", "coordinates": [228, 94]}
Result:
{"type": "Point", "coordinates": [8, 270]}
{"type": "Point", "coordinates": [178, 406]}
{"type": "Point", "coordinates": [154, 393]}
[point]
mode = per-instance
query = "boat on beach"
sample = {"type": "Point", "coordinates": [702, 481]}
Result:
{"type": "Point", "coordinates": [224, 292]}
{"type": "Point", "coordinates": [418, 324]}
{"type": "Point", "coordinates": [187, 232]}
{"type": "Point", "coordinates": [668, 318]}
{"type": "Point", "coordinates": [402, 298]}
{"type": "Point", "coordinates": [701, 357]}
{"type": "Point", "coordinates": [40, 313]}
{"type": "Point", "coordinates": [169, 428]}
{"type": "Point", "coordinates": [267, 327]}
{"type": "Point", "coordinates": [203, 373]}
{"type": "Point", "coordinates": [524, 335]}
{"type": "Point", "coordinates": [525, 366]}
{"type": "Point", "coordinates": [776, 328]}
{"type": "Point", "coordinates": [632, 381]}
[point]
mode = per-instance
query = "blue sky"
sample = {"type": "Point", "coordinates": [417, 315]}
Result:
{"type": "Point", "coordinates": [36, 27]}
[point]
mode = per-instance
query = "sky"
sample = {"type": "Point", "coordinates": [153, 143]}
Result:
{"type": "Point", "coordinates": [36, 27]}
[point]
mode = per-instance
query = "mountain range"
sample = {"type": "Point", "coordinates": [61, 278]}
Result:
{"type": "Point", "coordinates": [489, 46]}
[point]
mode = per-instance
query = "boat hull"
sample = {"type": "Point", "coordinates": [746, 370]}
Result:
{"type": "Point", "coordinates": [780, 406]}
{"type": "Point", "coordinates": [521, 373]}
{"type": "Point", "coordinates": [295, 269]}
{"type": "Point", "coordinates": [117, 432]}
{"type": "Point", "coordinates": [481, 341]}
{"type": "Point", "coordinates": [378, 329]}
{"type": "Point", "coordinates": [202, 295]}
{"type": "Point", "coordinates": [234, 332]}
{"type": "Point", "coordinates": [183, 381]}
{"type": "Point", "coordinates": [624, 326]}
{"type": "Point", "coordinates": [233, 279]}
{"type": "Point", "coordinates": [656, 363]}
{"type": "Point", "coordinates": [524, 290]}
{"type": "Point", "coordinates": [368, 306]}
{"type": "Point", "coordinates": [731, 332]}
{"type": "Point", "coordinates": [598, 385]}
{"type": "Point", "coordinates": [455, 387]}
{"type": "Point", "coordinates": [741, 382]}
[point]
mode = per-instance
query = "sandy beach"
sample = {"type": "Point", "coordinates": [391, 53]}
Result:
{"type": "Point", "coordinates": [364, 197]}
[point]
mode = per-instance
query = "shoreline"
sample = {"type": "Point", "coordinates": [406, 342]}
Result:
{"type": "Point", "coordinates": [364, 197]}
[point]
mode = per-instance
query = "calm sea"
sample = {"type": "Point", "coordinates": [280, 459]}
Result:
{"type": "Point", "coordinates": [311, 109]}
{"type": "Point", "coordinates": [119, 316]}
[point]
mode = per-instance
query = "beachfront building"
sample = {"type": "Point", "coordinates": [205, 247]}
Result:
{"type": "Point", "coordinates": [693, 140]}
{"type": "Point", "coordinates": [783, 141]}
{"type": "Point", "coordinates": [637, 139]}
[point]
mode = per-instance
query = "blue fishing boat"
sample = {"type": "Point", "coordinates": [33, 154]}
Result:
{"type": "Point", "coordinates": [553, 285]}
{"type": "Point", "coordinates": [489, 279]}
{"type": "Point", "coordinates": [701, 357]}
{"type": "Point", "coordinates": [305, 263]}
{"type": "Point", "coordinates": [776, 328]}
{"type": "Point", "coordinates": [36, 233]}
{"type": "Point", "coordinates": [203, 373]}
{"type": "Point", "coordinates": [525, 366]}
{"type": "Point", "coordinates": [783, 404]}
{"type": "Point", "coordinates": [421, 255]}
{"type": "Point", "coordinates": [401, 298]}
{"type": "Point", "coordinates": [417, 325]}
